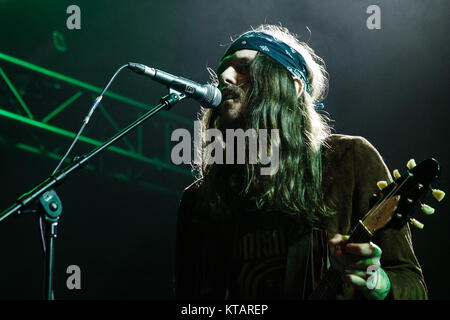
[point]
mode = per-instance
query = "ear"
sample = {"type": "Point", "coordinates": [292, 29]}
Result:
{"type": "Point", "coordinates": [298, 86]}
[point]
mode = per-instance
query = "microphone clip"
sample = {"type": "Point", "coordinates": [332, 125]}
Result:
{"type": "Point", "coordinates": [172, 98]}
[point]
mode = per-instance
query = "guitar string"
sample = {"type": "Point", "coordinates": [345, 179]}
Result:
{"type": "Point", "coordinates": [382, 204]}
{"type": "Point", "coordinates": [358, 237]}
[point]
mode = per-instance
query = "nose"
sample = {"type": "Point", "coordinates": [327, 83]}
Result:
{"type": "Point", "coordinates": [229, 76]}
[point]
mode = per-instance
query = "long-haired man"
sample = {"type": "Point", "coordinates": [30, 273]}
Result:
{"type": "Point", "coordinates": [245, 235]}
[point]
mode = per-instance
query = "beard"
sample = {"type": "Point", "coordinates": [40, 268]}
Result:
{"type": "Point", "coordinates": [232, 108]}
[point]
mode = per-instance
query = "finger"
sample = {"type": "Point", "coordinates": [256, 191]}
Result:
{"type": "Point", "coordinates": [363, 249]}
{"type": "Point", "coordinates": [351, 262]}
{"type": "Point", "coordinates": [362, 274]}
{"type": "Point", "coordinates": [356, 281]}
{"type": "Point", "coordinates": [344, 260]}
{"type": "Point", "coordinates": [336, 244]}
{"type": "Point", "coordinates": [338, 239]}
{"type": "Point", "coordinates": [365, 263]}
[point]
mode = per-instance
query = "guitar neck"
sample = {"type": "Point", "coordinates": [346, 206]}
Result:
{"type": "Point", "coordinates": [327, 287]}
{"type": "Point", "coordinates": [411, 186]}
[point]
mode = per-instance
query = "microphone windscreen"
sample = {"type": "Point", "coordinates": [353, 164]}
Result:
{"type": "Point", "coordinates": [213, 97]}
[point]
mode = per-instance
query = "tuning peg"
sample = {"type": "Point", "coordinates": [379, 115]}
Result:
{"type": "Point", "coordinates": [416, 223]}
{"type": "Point", "coordinates": [427, 209]}
{"type": "Point", "coordinates": [438, 194]}
{"type": "Point", "coordinates": [382, 184]}
{"type": "Point", "coordinates": [396, 174]}
{"type": "Point", "coordinates": [411, 164]}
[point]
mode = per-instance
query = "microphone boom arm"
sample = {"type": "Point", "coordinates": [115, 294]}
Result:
{"type": "Point", "coordinates": [23, 201]}
{"type": "Point", "coordinates": [50, 205]}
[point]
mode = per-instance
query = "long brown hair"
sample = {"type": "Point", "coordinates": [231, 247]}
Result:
{"type": "Point", "coordinates": [273, 103]}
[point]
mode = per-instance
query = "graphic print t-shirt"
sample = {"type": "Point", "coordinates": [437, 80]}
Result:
{"type": "Point", "coordinates": [260, 254]}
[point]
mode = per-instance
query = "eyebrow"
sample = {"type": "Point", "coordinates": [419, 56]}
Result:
{"type": "Point", "coordinates": [231, 58]}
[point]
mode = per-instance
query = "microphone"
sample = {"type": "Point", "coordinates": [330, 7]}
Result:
{"type": "Point", "coordinates": [208, 95]}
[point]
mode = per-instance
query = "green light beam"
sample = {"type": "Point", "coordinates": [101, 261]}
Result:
{"type": "Point", "coordinates": [89, 87]}
{"type": "Point", "coordinates": [52, 114]}
{"type": "Point", "coordinates": [114, 125]}
{"type": "Point", "coordinates": [16, 94]}
{"type": "Point", "coordinates": [117, 176]}
{"type": "Point", "coordinates": [153, 161]}
{"type": "Point", "coordinates": [51, 155]}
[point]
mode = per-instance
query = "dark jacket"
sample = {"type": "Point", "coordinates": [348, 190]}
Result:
{"type": "Point", "coordinates": [208, 240]}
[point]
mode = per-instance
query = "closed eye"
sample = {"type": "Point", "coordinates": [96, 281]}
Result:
{"type": "Point", "coordinates": [242, 65]}
{"type": "Point", "coordinates": [243, 69]}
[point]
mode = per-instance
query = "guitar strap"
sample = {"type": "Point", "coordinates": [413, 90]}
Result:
{"type": "Point", "coordinates": [297, 266]}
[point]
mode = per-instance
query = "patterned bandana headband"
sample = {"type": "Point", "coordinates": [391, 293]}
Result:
{"type": "Point", "coordinates": [277, 50]}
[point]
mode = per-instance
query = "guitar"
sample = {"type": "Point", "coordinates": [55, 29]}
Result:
{"type": "Point", "coordinates": [411, 187]}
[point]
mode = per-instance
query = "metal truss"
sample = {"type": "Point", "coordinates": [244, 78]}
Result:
{"type": "Point", "coordinates": [24, 107]}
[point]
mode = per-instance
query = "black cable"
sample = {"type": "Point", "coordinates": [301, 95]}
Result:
{"type": "Point", "coordinates": [83, 126]}
{"type": "Point", "coordinates": [86, 120]}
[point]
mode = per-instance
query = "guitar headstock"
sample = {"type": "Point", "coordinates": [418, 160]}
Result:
{"type": "Point", "coordinates": [396, 200]}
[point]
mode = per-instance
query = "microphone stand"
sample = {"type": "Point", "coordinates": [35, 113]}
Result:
{"type": "Point", "coordinates": [49, 204]}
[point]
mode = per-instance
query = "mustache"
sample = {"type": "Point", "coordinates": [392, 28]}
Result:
{"type": "Point", "coordinates": [232, 92]}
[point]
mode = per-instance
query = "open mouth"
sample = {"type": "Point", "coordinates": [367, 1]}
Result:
{"type": "Point", "coordinates": [229, 101]}
{"type": "Point", "coordinates": [230, 94]}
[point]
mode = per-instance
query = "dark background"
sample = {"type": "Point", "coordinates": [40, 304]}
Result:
{"type": "Point", "coordinates": [388, 85]}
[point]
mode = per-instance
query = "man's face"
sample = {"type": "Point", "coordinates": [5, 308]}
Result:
{"type": "Point", "coordinates": [234, 82]}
